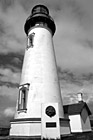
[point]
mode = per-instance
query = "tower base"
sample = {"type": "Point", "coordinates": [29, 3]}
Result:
{"type": "Point", "coordinates": [26, 127]}
{"type": "Point", "coordinates": [31, 128]}
{"type": "Point", "coordinates": [49, 126]}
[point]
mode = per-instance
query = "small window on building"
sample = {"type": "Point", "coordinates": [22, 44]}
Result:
{"type": "Point", "coordinates": [30, 40]}
{"type": "Point", "coordinates": [23, 93]}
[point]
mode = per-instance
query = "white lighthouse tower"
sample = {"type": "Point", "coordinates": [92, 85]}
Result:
{"type": "Point", "coordinates": [39, 108]}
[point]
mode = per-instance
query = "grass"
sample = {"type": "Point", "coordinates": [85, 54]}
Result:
{"type": "Point", "coordinates": [78, 136]}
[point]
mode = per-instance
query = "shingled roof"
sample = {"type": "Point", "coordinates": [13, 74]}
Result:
{"type": "Point", "coordinates": [73, 109]}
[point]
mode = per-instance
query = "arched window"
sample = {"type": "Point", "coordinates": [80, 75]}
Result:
{"type": "Point", "coordinates": [22, 100]}
{"type": "Point", "coordinates": [30, 40]}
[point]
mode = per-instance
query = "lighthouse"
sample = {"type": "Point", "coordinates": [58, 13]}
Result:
{"type": "Point", "coordinates": [39, 110]}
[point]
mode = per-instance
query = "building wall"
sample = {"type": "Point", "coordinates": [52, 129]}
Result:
{"type": "Point", "coordinates": [64, 127]}
{"type": "Point", "coordinates": [75, 123]}
{"type": "Point", "coordinates": [39, 70]}
{"type": "Point", "coordinates": [85, 121]}
{"type": "Point", "coordinates": [25, 129]}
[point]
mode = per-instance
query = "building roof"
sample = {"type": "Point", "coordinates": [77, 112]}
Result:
{"type": "Point", "coordinates": [77, 108]}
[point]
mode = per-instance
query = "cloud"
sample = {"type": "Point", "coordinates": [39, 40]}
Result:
{"type": "Point", "coordinates": [68, 77]}
{"type": "Point", "coordinates": [6, 3]}
{"type": "Point", "coordinates": [12, 61]}
{"type": "Point", "coordinates": [8, 98]}
{"type": "Point", "coordinates": [86, 43]}
{"type": "Point", "coordinates": [73, 55]}
{"type": "Point", "coordinates": [10, 67]}
{"type": "Point", "coordinates": [7, 101]}
{"type": "Point", "coordinates": [12, 21]}
{"type": "Point", "coordinates": [70, 95]}
{"type": "Point", "coordinates": [9, 112]}
{"type": "Point", "coordinates": [9, 84]}
{"type": "Point", "coordinates": [74, 77]}
{"type": "Point", "coordinates": [10, 92]}
{"type": "Point", "coordinates": [9, 76]}
{"type": "Point", "coordinates": [71, 83]}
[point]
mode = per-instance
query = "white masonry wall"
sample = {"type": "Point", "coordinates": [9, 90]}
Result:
{"type": "Point", "coordinates": [54, 131]}
{"type": "Point", "coordinates": [75, 123]}
{"type": "Point", "coordinates": [39, 69]}
{"type": "Point", "coordinates": [25, 129]}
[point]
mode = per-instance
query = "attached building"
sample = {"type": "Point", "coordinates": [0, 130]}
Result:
{"type": "Point", "coordinates": [79, 117]}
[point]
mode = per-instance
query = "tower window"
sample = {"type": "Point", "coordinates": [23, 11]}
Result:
{"type": "Point", "coordinates": [30, 40]}
{"type": "Point", "coordinates": [22, 101]}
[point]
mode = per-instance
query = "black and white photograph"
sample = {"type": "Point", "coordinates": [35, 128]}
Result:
{"type": "Point", "coordinates": [46, 69]}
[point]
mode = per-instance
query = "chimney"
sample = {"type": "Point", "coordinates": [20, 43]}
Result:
{"type": "Point", "coordinates": [80, 96]}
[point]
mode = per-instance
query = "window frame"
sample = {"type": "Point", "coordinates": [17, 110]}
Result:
{"type": "Point", "coordinates": [22, 98]}
{"type": "Point", "coordinates": [30, 40]}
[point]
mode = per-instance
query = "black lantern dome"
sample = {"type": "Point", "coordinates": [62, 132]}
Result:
{"type": "Point", "coordinates": [40, 14]}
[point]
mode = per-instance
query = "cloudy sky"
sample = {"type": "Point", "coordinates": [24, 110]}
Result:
{"type": "Point", "coordinates": [73, 43]}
